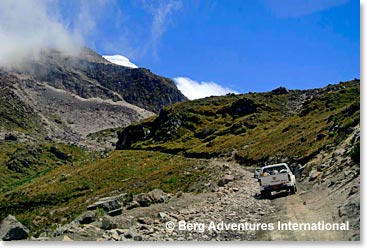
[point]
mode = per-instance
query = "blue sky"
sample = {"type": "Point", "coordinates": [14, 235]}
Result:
{"type": "Point", "coordinates": [211, 47]}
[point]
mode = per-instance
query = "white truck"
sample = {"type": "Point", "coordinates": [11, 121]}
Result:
{"type": "Point", "coordinates": [276, 177]}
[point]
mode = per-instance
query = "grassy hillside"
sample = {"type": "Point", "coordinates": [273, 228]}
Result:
{"type": "Point", "coordinates": [61, 194]}
{"type": "Point", "coordinates": [21, 163]}
{"type": "Point", "coordinates": [254, 127]}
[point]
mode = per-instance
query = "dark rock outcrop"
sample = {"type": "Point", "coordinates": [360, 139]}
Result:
{"type": "Point", "coordinates": [60, 154]}
{"type": "Point", "coordinates": [241, 107]}
{"type": "Point", "coordinates": [12, 229]}
{"type": "Point", "coordinates": [280, 91]}
{"type": "Point", "coordinates": [164, 127]}
{"type": "Point", "coordinates": [87, 217]}
{"type": "Point", "coordinates": [108, 223]}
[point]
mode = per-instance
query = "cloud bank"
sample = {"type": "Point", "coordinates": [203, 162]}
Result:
{"type": "Point", "coordinates": [195, 90]}
{"type": "Point", "coordinates": [27, 27]}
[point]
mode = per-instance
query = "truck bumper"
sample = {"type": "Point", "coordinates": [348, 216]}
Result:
{"type": "Point", "coordinates": [278, 188]}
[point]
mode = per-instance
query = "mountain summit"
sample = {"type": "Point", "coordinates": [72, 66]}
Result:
{"type": "Point", "coordinates": [68, 96]}
{"type": "Point", "coordinates": [120, 60]}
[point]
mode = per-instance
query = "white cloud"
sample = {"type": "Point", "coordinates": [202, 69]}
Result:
{"type": "Point", "coordinates": [161, 12]}
{"type": "Point", "coordinates": [27, 27]}
{"type": "Point", "coordinates": [194, 90]}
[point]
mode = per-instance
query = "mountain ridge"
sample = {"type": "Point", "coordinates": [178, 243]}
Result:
{"type": "Point", "coordinates": [88, 74]}
{"type": "Point", "coordinates": [70, 96]}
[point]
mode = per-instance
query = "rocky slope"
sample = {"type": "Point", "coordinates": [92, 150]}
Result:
{"type": "Point", "coordinates": [65, 97]}
{"type": "Point", "coordinates": [89, 75]}
{"type": "Point", "coordinates": [43, 112]}
{"type": "Point", "coordinates": [333, 177]}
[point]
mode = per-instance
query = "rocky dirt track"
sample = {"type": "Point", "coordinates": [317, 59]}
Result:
{"type": "Point", "coordinates": [237, 201]}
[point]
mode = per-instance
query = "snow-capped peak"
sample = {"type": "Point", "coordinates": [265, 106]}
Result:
{"type": "Point", "coordinates": [120, 60]}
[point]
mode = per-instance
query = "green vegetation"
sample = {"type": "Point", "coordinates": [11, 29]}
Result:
{"type": "Point", "coordinates": [22, 163]}
{"type": "Point", "coordinates": [255, 126]}
{"type": "Point", "coordinates": [105, 135]}
{"type": "Point", "coordinates": [355, 153]}
{"type": "Point", "coordinates": [60, 194]}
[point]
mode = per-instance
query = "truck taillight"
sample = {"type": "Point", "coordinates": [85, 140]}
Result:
{"type": "Point", "coordinates": [289, 177]}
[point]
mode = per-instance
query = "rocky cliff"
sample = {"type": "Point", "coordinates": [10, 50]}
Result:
{"type": "Point", "coordinates": [65, 97]}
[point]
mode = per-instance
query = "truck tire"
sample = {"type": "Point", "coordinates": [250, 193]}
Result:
{"type": "Point", "coordinates": [293, 190]}
{"type": "Point", "coordinates": [264, 194]}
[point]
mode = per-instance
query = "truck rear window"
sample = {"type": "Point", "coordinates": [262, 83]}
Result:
{"type": "Point", "coordinates": [271, 170]}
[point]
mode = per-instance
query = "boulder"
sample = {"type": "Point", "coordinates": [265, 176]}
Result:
{"type": "Point", "coordinates": [108, 223]}
{"type": "Point", "coordinates": [12, 229]}
{"type": "Point", "coordinates": [163, 216]}
{"type": "Point", "coordinates": [313, 175]}
{"type": "Point", "coordinates": [110, 204]}
{"type": "Point", "coordinates": [115, 212]}
{"type": "Point", "coordinates": [152, 197]}
{"type": "Point", "coordinates": [10, 137]}
{"type": "Point", "coordinates": [87, 217]}
{"type": "Point", "coordinates": [72, 227]}
{"type": "Point", "coordinates": [225, 179]}
{"type": "Point", "coordinates": [133, 204]}
{"type": "Point", "coordinates": [146, 220]}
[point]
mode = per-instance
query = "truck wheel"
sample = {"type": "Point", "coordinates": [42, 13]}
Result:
{"type": "Point", "coordinates": [264, 195]}
{"type": "Point", "coordinates": [293, 190]}
{"type": "Point", "coordinates": [270, 196]}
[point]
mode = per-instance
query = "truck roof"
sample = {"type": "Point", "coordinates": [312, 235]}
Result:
{"type": "Point", "coordinates": [272, 165]}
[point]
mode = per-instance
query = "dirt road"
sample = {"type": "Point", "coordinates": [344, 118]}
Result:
{"type": "Point", "coordinates": [238, 201]}
{"type": "Point", "coordinates": [303, 207]}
